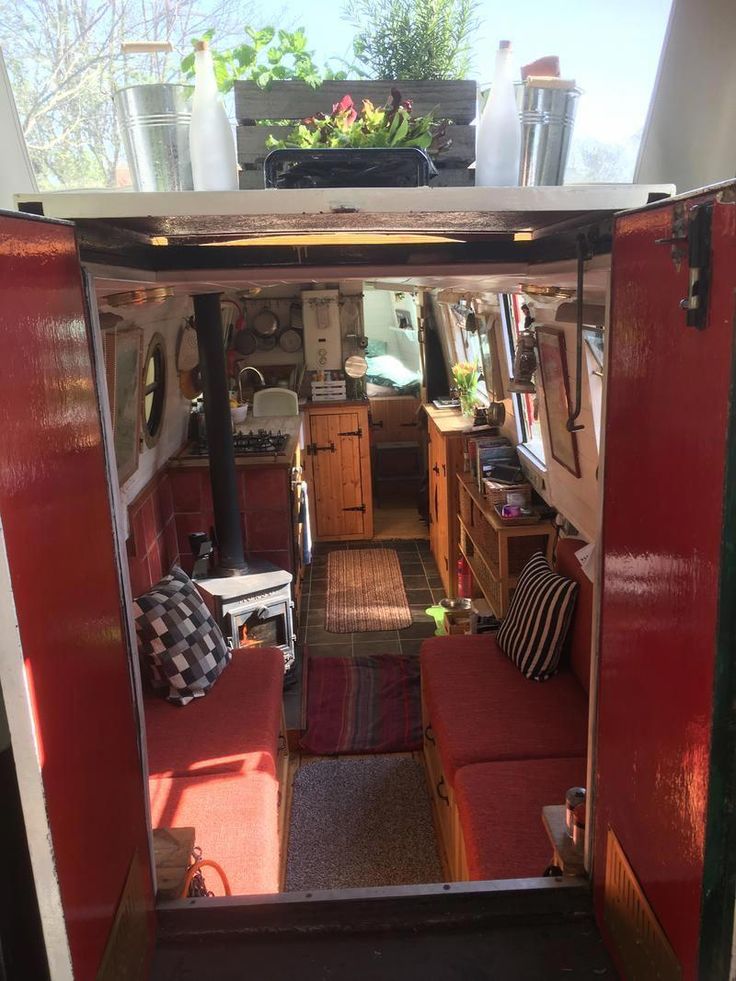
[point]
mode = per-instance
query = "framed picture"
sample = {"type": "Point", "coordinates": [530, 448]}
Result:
{"type": "Point", "coordinates": [123, 355]}
{"type": "Point", "coordinates": [553, 372]}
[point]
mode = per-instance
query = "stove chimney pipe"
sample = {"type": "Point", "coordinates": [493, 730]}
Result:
{"type": "Point", "coordinates": [213, 368]}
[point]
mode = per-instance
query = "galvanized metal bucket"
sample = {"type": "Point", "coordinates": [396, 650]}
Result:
{"type": "Point", "coordinates": [547, 113]}
{"type": "Point", "coordinates": [154, 123]}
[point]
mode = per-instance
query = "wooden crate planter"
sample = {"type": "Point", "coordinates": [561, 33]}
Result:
{"type": "Point", "coordinates": [292, 100]}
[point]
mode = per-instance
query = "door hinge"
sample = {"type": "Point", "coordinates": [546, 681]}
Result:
{"type": "Point", "coordinates": [354, 432]}
{"type": "Point", "coordinates": [361, 507]}
{"type": "Point", "coordinates": [313, 449]}
{"type": "Point", "coordinates": [695, 303]}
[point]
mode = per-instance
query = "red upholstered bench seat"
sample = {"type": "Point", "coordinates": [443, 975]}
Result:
{"type": "Point", "coordinates": [233, 728]}
{"type": "Point", "coordinates": [236, 824]}
{"type": "Point", "coordinates": [500, 810]}
{"type": "Point", "coordinates": [482, 708]}
{"type": "Point", "coordinates": [213, 766]}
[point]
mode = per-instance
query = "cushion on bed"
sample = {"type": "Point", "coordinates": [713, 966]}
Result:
{"type": "Point", "coordinates": [481, 708]}
{"type": "Point", "coordinates": [235, 822]}
{"type": "Point", "coordinates": [500, 810]}
{"type": "Point", "coordinates": [234, 730]}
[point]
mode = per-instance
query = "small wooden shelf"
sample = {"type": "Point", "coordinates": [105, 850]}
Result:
{"type": "Point", "coordinates": [496, 551]}
{"type": "Point", "coordinates": [566, 855]}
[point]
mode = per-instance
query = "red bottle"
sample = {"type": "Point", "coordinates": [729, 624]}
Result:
{"type": "Point", "coordinates": [464, 579]}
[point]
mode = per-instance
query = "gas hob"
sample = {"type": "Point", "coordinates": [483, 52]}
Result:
{"type": "Point", "coordinates": [262, 441]}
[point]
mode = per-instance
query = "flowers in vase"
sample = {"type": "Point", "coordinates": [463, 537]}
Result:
{"type": "Point", "coordinates": [465, 375]}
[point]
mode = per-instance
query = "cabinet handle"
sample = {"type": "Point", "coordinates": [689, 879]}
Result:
{"type": "Point", "coordinates": [429, 736]}
{"type": "Point", "coordinates": [435, 469]}
{"type": "Point", "coordinates": [442, 796]}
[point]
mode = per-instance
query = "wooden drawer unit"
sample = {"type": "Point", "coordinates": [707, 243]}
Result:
{"type": "Point", "coordinates": [496, 551]}
{"type": "Point", "coordinates": [444, 807]}
{"type": "Point", "coordinates": [337, 464]}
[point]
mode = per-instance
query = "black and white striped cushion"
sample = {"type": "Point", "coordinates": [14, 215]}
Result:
{"type": "Point", "coordinates": [535, 627]}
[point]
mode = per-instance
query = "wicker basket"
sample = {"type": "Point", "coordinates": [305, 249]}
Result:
{"type": "Point", "coordinates": [522, 549]}
{"type": "Point", "coordinates": [466, 507]}
{"type": "Point", "coordinates": [492, 590]}
{"type": "Point", "coordinates": [486, 539]}
{"type": "Point", "coordinates": [496, 493]}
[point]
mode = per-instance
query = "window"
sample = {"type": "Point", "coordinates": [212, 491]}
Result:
{"type": "Point", "coordinates": [526, 406]}
{"type": "Point", "coordinates": [154, 389]}
{"type": "Point", "coordinates": [470, 346]}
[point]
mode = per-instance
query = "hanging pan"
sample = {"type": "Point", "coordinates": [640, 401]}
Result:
{"type": "Point", "coordinates": [265, 323]}
{"type": "Point", "coordinates": [245, 342]}
{"type": "Point", "coordinates": [290, 340]}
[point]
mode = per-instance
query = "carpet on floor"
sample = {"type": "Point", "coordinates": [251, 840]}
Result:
{"type": "Point", "coordinates": [361, 822]}
{"type": "Point", "coordinates": [366, 704]}
{"type": "Point", "coordinates": [365, 591]}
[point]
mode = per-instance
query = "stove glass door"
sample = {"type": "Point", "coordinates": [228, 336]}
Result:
{"type": "Point", "coordinates": [260, 626]}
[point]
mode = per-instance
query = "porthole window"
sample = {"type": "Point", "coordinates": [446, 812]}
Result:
{"type": "Point", "coordinates": [154, 389]}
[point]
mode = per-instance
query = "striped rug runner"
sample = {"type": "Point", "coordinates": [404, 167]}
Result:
{"type": "Point", "coordinates": [365, 591]}
{"type": "Point", "coordinates": [366, 704]}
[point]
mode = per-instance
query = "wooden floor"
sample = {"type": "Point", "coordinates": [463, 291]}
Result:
{"type": "Point", "coordinates": [398, 522]}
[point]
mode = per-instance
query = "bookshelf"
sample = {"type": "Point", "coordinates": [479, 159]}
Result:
{"type": "Point", "coordinates": [496, 551]}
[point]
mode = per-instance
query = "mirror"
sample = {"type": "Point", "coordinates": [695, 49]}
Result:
{"type": "Point", "coordinates": [356, 366]}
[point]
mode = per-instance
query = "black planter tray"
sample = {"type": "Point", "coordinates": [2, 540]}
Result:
{"type": "Point", "coordinates": [372, 167]}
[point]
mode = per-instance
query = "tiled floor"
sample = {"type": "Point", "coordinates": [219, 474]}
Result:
{"type": "Point", "coordinates": [423, 588]}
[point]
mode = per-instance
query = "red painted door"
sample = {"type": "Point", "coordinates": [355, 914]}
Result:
{"type": "Point", "coordinates": [56, 518]}
{"type": "Point", "coordinates": [669, 406]}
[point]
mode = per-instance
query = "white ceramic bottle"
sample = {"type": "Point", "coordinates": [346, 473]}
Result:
{"type": "Point", "coordinates": [211, 143]}
{"type": "Point", "coordinates": [498, 137]}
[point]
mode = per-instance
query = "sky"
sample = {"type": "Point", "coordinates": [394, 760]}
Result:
{"type": "Point", "coordinates": [610, 47]}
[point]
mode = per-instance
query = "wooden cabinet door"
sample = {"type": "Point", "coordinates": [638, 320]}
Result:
{"type": "Point", "coordinates": [443, 541]}
{"type": "Point", "coordinates": [433, 487]}
{"type": "Point", "coordinates": [438, 503]}
{"type": "Point", "coordinates": [340, 505]}
{"type": "Point", "coordinates": [394, 419]}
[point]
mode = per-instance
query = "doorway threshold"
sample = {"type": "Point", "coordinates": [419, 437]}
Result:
{"type": "Point", "coordinates": [512, 929]}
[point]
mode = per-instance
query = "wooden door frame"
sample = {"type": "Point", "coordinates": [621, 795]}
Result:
{"type": "Point", "coordinates": [117, 510]}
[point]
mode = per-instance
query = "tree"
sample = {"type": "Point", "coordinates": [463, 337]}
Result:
{"type": "Point", "coordinates": [64, 61]}
{"type": "Point", "coordinates": [416, 39]}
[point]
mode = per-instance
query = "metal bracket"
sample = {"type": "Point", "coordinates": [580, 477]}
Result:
{"type": "Point", "coordinates": [361, 507]}
{"type": "Point", "coordinates": [695, 303]}
{"type": "Point", "coordinates": [354, 432]}
{"type": "Point", "coordinates": [313, 449]}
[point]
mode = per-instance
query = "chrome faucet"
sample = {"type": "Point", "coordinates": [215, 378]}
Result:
{"type": "Point", "coordinates": [248, 367]}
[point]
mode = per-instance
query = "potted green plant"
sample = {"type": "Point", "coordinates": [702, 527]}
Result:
{"type": "Point", "coordinates": [374, 146]}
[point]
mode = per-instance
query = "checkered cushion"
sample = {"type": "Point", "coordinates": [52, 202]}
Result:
{"type": "Point", "coordinates": [178, 639]}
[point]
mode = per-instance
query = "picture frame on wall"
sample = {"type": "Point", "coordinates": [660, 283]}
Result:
{"type": "Point", "coordinates": [556, 386]}
{"type": "Point", "coordinates": [123, 367]}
